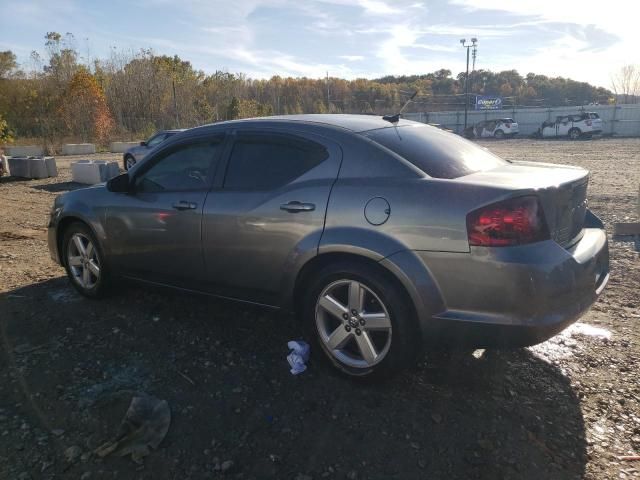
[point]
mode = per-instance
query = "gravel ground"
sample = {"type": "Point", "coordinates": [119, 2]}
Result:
{"type": "Point", "coordinates": [566, 409]}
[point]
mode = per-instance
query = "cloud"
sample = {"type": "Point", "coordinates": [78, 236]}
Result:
{"type": "Point", "coordinates": [352, 58]}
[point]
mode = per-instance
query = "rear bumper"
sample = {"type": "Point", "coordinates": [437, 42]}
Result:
{"type": "Point", "coordinates": [513, 296]}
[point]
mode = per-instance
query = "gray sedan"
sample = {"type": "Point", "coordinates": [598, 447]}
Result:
{"type": "Point", "coordinates": [382, 237]}
{"type": "Point", "coordinates": [137, 153]}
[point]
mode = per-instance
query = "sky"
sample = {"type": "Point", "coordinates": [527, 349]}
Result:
{"type": "Point", "coordinates": [581, 39]}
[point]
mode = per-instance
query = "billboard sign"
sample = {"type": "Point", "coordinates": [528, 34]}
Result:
{"type": "Point", "coordinates": [484, 102]}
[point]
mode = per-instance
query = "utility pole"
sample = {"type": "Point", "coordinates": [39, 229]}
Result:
{"type": "Point", "coordinates": [328, 101]}
{"type": "Point", "coordinates": [464, 44]}
{"type": "Point", "coordinates": [175, 103]}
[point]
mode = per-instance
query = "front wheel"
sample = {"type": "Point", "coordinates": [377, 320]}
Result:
{"type": "Point", "coordinates": [361, 321]}
{"type": "Point", "coordinates": [83, 261]}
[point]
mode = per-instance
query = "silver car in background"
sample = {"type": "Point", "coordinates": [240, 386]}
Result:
{"type": "Point", "coordinates": [134, 154]}
{"type": "Point", "coordinates": [382, 237]}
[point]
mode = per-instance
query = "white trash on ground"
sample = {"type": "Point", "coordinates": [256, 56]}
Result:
{"type": "Point", "coordinates": [298, 356]}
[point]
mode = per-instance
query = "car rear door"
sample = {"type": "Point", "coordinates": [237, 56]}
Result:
{"type": "Point", "coordinates": [268, 210]}
{"type": "Point", "coordinates": [154, 232]}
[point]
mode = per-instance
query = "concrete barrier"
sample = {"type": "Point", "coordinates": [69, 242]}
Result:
{"type": "Point", "coordinates": [24, 151]}
{"type": "Point", "coordinates": [32, 167]}
{"type": "Point", "coordinates": [91, 172]}
{"type": "Point", "coordinates": [78, 148]}
{"type": "Point", "coordinates": [121, 147]}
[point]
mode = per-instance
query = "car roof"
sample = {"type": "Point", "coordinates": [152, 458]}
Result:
{"type": "Point", "coordinates": [354, 123]}
{"type": "Point", "coordinates": [175, 130]}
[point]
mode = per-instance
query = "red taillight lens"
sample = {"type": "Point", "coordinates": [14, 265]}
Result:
{"type": "Point", "coordinates": [513, 222]}
{"type": "Point", "coordinates": [508, 125]}
{"type": "Point", "coordinates": [588, 122]}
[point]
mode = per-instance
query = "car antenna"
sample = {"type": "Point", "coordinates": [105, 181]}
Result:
{"type": "Point", "coordinates": [396, 118]}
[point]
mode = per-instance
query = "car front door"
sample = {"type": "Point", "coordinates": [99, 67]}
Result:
{"type": "Point", "coordinates": [268, 210]}
{"type": "Point", "coordinates": [154, 232]}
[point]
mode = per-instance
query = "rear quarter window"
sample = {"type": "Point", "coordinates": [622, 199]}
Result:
{"type": "Point", "coordinates": [437, 153]}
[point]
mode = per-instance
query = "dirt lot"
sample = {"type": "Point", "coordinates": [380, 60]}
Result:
{"type": "Point", "coordinates": [566, 409]}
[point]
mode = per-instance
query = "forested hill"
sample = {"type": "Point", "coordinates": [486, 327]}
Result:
{"type": "Point", "coordinates": [134, 94]}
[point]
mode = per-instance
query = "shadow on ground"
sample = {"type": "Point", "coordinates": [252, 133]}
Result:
{"type": "Point", "coordinates": [73, 364]}
{"type": "Point", "coordinates": [60, 187]}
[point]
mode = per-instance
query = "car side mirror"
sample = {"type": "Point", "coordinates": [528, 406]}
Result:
{"type": "Point", "coordinates": [120, 184]}
{"type": "Point", "coordinates": [143, 144]}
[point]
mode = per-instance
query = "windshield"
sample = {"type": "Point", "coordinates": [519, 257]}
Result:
{"type": "Point", "coordinates": [437, 153]}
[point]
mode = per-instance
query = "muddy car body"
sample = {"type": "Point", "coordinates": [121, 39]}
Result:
{"type": "Point", "coordinates": [382, 237]}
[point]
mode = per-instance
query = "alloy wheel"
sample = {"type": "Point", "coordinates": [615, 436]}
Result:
{"type": "Point", "coordinates": [353, 324]}
{"type": "Point", "coordinates": [130, 162]}
{"type": "Point", "coordinates": [83, 261]}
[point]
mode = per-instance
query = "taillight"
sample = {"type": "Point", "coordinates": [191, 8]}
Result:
{"type": "Point", "coordinates": [508, 125]}
{"type": "Point", "coordinates": [588, 122]}
{"type": "Point", "coordinates": [512, 222]}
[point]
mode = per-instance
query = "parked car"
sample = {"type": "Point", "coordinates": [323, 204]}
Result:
{"type": "Point", "coordinates": [584, 124]}
{"type": "Point", "coordinates": [382, 237]}
{"type": "Point", "coordinates": [137, 153]}
{"type": "Point", "coordinates": [496, 128]}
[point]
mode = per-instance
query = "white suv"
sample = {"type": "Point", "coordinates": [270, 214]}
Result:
{"type": "Point", "coordinates": [500, 128]}
{"type": "Point", "coordinates": [573, 126]}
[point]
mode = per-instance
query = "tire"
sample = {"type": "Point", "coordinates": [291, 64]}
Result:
{"type": "Point", "coordinates": [86, 271]}
{"type": "Point", "coordinates": [129, 161]}
{"type": "Point", "coordinates": [351, 342]}
{"type": "Point", "coordinates": [575, 133]}
{"type": "Point", "coordinates": [499, 134]}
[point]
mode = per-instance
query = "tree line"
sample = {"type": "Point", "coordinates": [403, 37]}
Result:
{"type": "Point", "coordinates": [132, 94]}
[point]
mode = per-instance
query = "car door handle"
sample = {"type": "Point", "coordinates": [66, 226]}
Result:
{"type": "Point", "coordinates": [182, 205]}
{"type": "Point", "coordinates": [295, 207]}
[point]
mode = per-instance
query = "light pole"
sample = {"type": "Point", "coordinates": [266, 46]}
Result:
{"type": "Point", "coordinates": [464, 44]}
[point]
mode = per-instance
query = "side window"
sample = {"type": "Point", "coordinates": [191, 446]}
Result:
{"type": "Point", "coordinates": [156, 140]}
{"type": "Point", "coordinates": [594, 115]}
{"type": "Point", "coordinates": [260, 162]}
{"type": "Point", "coordinates": [185, 168]}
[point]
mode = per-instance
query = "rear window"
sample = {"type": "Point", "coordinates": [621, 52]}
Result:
{"type": "Point", "coordinates": [507, 120]}
{"type": "Point", "coordinates": [594, 115]}
{"type": "Point", "coordinates": [437, 153]}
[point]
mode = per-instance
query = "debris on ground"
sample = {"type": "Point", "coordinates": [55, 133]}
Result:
{"type": "Point", "coordinates": [298, 356]}
{"type": "Point", "coordinates": [145, 425]}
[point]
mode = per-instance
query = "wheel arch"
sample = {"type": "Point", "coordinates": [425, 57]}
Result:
{"type": "Point", "coordinates": [63, 224]}
{"type": "Point", "coordinates": [390, 269]}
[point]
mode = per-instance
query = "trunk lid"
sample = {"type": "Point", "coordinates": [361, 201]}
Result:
{"type": "Point", "coordinates": [562, 191]}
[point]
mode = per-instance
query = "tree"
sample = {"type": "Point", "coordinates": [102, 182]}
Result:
{"type": "Point", "coordinates": [7, 63]}
{"type": "Point", "coordinates": [85, 110]}
{"type": "Point", "coordinates": [626, 83]}
{"type": "Point", "coordinates": [5, 132]}
{"type": "Point", "coordinates": [233, 110]}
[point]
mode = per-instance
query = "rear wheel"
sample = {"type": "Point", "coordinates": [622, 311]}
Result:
{"type": "Point", "coordinates": [574, 133]}
{"type": "Point", "coordinates": [499, 134]}
{"type": "Point", "coordinates": [83, 261]}
{"type": "Point", "coordinates": [360, 321]}
{"type": "Point", "coordinates": [129, 161]}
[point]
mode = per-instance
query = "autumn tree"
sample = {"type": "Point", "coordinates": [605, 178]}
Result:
{"type": "Point", "coordinates": [85, 110]}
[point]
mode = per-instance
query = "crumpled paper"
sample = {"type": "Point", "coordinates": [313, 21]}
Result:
{"type": "Point", "coordinates": [145, 425]}
{"type": "Point", "coordinates": [298, 356]}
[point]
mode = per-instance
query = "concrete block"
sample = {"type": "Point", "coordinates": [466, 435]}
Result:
{"type": "Point", "coordinates": [52, 168]}
{"type": "Point", "coordinates": [33, 167]}
{"type": "Point", "coordinates": [121, 147]}
{"type": "Point", "coordinates": [93, 171]}
{"type": "Point", "coordinates": [78, 148]}
{"type": "Point", "coordinates": [24, 151]}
